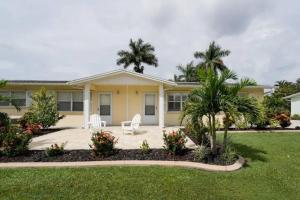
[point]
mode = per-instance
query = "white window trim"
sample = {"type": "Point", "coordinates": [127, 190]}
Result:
{"type": "Point", "coordinates": [71, 92]}
{"type": "Point", "coordinates": [181, 102]}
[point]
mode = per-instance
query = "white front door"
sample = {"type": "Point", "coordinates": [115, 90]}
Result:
{"type": "Point", "coordinates": [105, 107]}
{"type": "Point", "coordinates": [150, 109]}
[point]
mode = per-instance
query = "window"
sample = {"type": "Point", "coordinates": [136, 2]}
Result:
{"type": "Point", "coordinates": [150, 104]}
{"type": "Point", "coordinates": [18, 97]}
{"type": "Point", "coordinates": [176, 101]}
{"type": "Point", "coordinates": [5, 94]}
{"type": "Point", "coordinates": [77, 101]}
{"type": "Point", "coordinates": [70, 101]}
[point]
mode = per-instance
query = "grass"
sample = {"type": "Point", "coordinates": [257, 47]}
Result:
{"type": "Point", "coordinates": [272, 172]}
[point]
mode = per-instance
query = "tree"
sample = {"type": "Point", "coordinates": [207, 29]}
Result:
{"type": "Point", "coordinates": [215, 96]}
{"type": "Point", "coordinates": [8, 99]}
{"type": "Point", "coordinates": [139, 53]}
{"type": "Point", "coordinates": [212, 57]}
{"type": "Point", "coordinates": [188, 72]}
{"type": "Point", "coordinates": [44, 109]}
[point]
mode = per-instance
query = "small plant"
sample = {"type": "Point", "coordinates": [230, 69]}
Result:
{"type": "Point", "coordinates": [174, 141]}
{"type": "Point", "coordinates": [274, 123]}
{"type": "Point", "coordinates": [145, 148]}
{"type": "Point", "coordinates": [15, 142]}
{"type": "Point", "coordinates": [103, 143]}
{"type": "Point", "coordinates": [201, 153]}
{"type": "Point", "coordinates": [229, 153]}
{"type": "Point", "coordinates": [296, 117]}
{"type": "Point", "coordinates": [241, 123]}
{"type": "Point", "coordinates": [55, 150]}
{"type": "Point", "coordinates": [284, 120]}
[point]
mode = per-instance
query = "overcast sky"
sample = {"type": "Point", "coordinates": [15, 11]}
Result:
{"type": "Point", "coordinates": [63, 40]}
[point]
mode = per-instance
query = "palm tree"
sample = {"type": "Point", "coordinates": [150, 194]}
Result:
{"type": "Point", "coordinates": [139, 53]}
{"type": "Point", "coordinates": [216, 96]}
{"type": "Point", "coordinates": [212, 57]}
{"type": "Point", "coordinates": [8, 99]}
{"type": "Point", "coordinates": [188, 72]}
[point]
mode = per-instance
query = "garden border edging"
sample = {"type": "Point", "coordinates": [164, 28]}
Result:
{"type": "Point", "coordinates": [187, 164]}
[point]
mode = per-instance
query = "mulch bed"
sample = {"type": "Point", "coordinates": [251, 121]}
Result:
{"type": "Point", "coordinates": [120, 154]}
{"type": "Point", "coordinates": [86, 155]}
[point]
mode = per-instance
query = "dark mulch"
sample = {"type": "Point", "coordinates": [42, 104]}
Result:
{"type": "Point", "coordinates": [120, 154]}
{"type": "Point", "coordinates": [86, 155]}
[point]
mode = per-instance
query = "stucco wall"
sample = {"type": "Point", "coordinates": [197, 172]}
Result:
{"type": "Point", "coordinates": [119, 99]}
{"type": "Point", "coordinates": [295, 105]}
{"type": "Point", "coordinates": [120, 111]}
{"type": "Point", "coordinates": [173, 118]}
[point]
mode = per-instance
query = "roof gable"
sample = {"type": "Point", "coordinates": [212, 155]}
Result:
{"type": "Point", "coordinates": [120, 76]}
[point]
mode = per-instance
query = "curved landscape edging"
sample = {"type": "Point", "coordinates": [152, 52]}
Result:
{"type": "Point", "coordinates": [208, 167]}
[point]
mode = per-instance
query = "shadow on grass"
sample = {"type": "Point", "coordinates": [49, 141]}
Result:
{"type": "Point", "coordinates": [251, 153]}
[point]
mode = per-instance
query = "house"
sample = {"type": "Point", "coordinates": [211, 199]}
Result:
{"type": "Point", "coordinates": [295, 103]}
{"type": "Point", "coordinates": [115, 95]}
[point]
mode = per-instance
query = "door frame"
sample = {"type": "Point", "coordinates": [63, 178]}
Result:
{"type": "Point", "coordinates": [111, 107]}
{"type": "Point", "coordinates": [155, 121]}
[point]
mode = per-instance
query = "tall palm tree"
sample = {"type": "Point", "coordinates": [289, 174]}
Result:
{"type": "Point", "coordinates": [139, 53]}
{"type": "Point", "coordinates": [188, 72]}
{"type": "Point", "coordinates": [8, 99]}
{"type": "Point", "coordinates": [216, 96]}
{"type": "Point", "coordinates": [212, 57]}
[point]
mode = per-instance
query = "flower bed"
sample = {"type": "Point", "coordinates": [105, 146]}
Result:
{"type": "Point", "coordinates": [120, 154]}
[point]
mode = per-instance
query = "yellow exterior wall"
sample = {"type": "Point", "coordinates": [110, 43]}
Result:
{"type": "Point", "coordinates": [120, 111]}
{"type": "Point", "coordinates": [72, 119]}
{"type": "Point", "coordinates": [173, 118]}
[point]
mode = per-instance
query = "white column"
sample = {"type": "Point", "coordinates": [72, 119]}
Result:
{"type": "Point", "coordinates": [86, 105]}
{"type": "Point", "coordinates": [161, 102]}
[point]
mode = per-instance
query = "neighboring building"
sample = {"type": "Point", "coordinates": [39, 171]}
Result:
{"type": "Point", "coordinates": [295, 103]}
{"type": "Point", "coordinates": [116, 96]}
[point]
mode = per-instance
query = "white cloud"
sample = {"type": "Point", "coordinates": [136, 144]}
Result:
{"type": "Point", "coordinates": [70, 39]}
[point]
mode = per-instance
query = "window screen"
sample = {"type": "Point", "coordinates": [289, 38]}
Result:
{"type": "Point", "coordinates": [64, 101]}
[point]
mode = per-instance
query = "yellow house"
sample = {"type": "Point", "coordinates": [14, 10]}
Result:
{"type": "Point", "coordinates": [117, 96]}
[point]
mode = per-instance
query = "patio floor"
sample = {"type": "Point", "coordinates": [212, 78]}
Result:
{"type": "Point", "coordinates": [76, 138]}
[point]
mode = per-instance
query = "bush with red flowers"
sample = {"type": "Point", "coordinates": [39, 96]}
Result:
{"type": "Point", "coordinates": [34, 129]}
{"type": "Point", "coordinates": [15, 142]}
{"type": "Point", "coordinates": [103, 143]}
{"type": "Point", "coordinates": [174, 141]}
{"type": "Point", "coordinates": [284, 120]}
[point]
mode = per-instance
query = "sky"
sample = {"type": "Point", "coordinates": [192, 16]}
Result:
{"type": "Point", "coordinates": [69, 39]}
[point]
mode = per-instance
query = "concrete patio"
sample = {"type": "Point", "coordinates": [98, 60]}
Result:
{"type": "Point", "coordinates": [76, 138]}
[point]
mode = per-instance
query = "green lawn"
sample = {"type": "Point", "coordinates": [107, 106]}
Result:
{"type": "Point", "coordinates": [273, 172]}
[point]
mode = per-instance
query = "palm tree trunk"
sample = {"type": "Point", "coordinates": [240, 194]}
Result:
{"type": "Point", "coordinates": [214, 137]}
{"type": "Point", "coordinates": [226, 126]}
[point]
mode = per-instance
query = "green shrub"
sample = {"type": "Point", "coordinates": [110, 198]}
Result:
{"type": "Point", "coordinates": [103, 143]}
{"type": "Point", "coordinates": [43, 110]}
{"type": "Point", "coordinates": [15, 142]}
{"type": "Point", "coordinates": [229, 154]}
{"type": "Point", "coordinates": [201, 153]}
{"type": "Point", "coordinates": [4, 125]}
{"type": "Point", "coordinates": [55, 150]}
{"type": "Point", "coordinates": [174, 141]}
{"type": "Point", "coordinates": [262, 121]}
{"type": "Point", "coordinates": [274, 123]}
{"type": "Point", "coordinates": [241, 123]}
{"type": "Point", "coordinates": [296, 117]}
{"type": "Point", "coordinates": [284, 120]}
{"type": "Point", "coordinates": [4, 121]}
{"type": "Point", "coordinates": [198, 132]}
{"type": "Point", "coordinates": [145, 148]}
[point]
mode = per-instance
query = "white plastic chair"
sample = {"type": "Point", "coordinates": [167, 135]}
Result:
{"type": "Point", "coordinates": [95, 123]}
{"type": "Point", "coordinates": [133, 125]}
